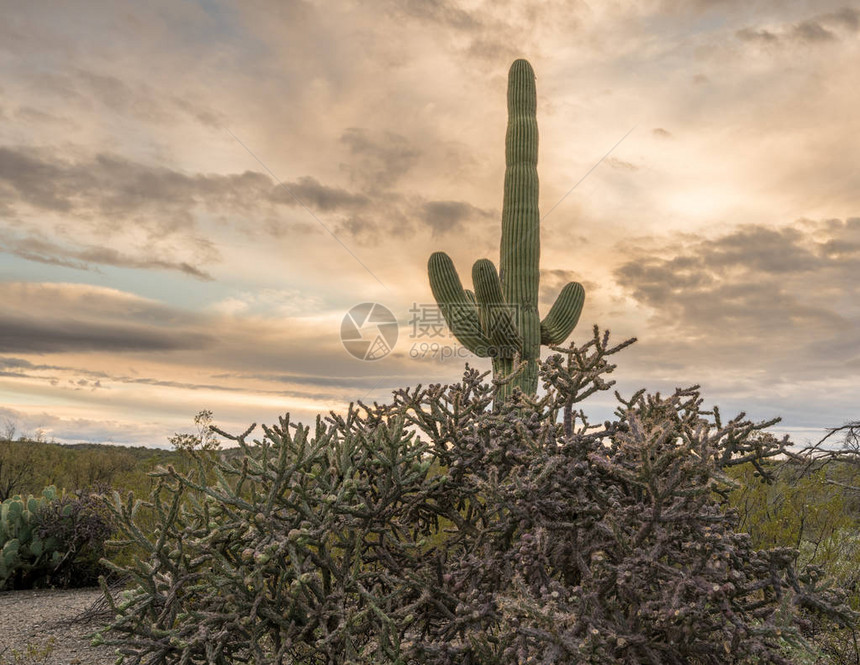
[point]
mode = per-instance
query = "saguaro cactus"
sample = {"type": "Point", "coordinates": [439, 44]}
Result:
{"type": "Point", "coordinates": [500, 318]}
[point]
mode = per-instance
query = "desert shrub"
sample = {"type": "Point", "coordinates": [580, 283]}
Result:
{"type": "Point", "coordinates": [811, 505]}
{"type": "Point", "coordinates": [80, 525]}
{"type": "Point", "coordinates": [445, 528]}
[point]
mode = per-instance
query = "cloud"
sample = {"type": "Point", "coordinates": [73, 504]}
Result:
{"type": "Point", "coordinates": [87, 257]}
{"type": "Point", "coordinates": [139, 99]}
{"type": "Point", "coordinates": [150, 215]}
{"type": "Point", "coordinates": [87, 430]}
{"type": "Point", "coordinates": [819, 29]}
{"type": "Point", "coordinates": [441, 12]}
{"type": "Point", "coordinates": [847, 16]}
{"type": "Point", "coordinates": [553, 281]}
{"type": "Point", "coordinates": [447, 216]}
{"type": "Point", "coordinates": [757, 296]}
{"type": "Point", "coordinates": [117, 187]}
{"type": "Point", "coordinates": [812, 31]}
{"type": "Point", "coordinates": [77, 378]}
{"type": "Point", "coordinates": [68, 318]}
{"type": "Point", "coordinates": [620, 164]}
{"type": "Point", "coordinates": [379, 160]}
{"type": "Point", "coordinates": [25, 335]}
{"type": "Point", "coordinates": [261, 340]}
{"type": "Point", "coordinates": [752, 35]}
{"type": "Point", "coordinates": [310, 192]}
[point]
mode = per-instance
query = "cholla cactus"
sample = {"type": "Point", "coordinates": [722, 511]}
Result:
{"type": "Point", "coordinates": [521, 534]}
{"type": "Point", "coordinates": [500, 318]}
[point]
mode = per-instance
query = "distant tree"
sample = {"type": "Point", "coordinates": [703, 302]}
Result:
{"type": "Point", "coordinates": [95, 467]}
{"type": "Point", "coordinates": [17, 467]}
{"type": "Point", "coordinates": [204, 440]}
{"type": "Point", "coordinates": [851, 438]}
{"type": "Point", "coordinates": [8, 430]}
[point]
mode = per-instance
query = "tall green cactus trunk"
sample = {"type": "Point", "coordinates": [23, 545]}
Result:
{"type": "Point", "coordinates": [519, 266]}
{"type": "Point", "coordinates": [500, 319]}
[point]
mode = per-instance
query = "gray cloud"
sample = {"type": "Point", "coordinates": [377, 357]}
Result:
{"type": "Point", "coordinates": [133, 98]}
{"type": "Point", "coordinates": [310, 192]}
{"type": "Point", "coordinates": [235, 354]}
{"type": "Point", "coordinates": [396, 215]}
{"type": "Point", "coordinates": [752, 35]}
{"type": "Point", "coordinates": [47, 335]}
{"type": "Point", "coordinates": [20, 368]}
{"type": "Point", "coordinates": [553, 281]}
{"type": "Point", "coordinates": [490, 34]}
{"type": "Point", "coordinates": [81, 429]}
{"type": "Point", "coordinates": [88, 257]}
{"type": "Point", "coordinates": [847, 16]}
{"type": "Point", "coordinates": [446, 216]}
{"type": "Point", "coordinates": [379, 160]}
{"type": "Point", "coordinates": [441, 12]}
{"type": "Point", "coordinates": [108, 194]}
{"type": "Point", "coordinates": [59, 318]}
{"type": "Point", "coordinates": [362, 382]}
{"type": "Point", "coordinates": [819, 29]}
{"type": "Point", "coordinates": [119, 96]}
{"type": "Point", "coordinates": [812, 31]}
{"type": "Point", "coordinates": [758, 294]}
{"type": "Point", "coordinates": [620, 164]}
{"type": "Point", "coordinates": [115, 186]}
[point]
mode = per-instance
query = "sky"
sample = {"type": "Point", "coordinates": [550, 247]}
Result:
{"type": "Point", "coordinates": [194, 194]}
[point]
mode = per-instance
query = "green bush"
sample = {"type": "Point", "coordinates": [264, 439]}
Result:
{"type": "Point", "coordinates": [810, 505]}
{"type": "Point", "coordinates": [81, 525]}
{"type": "Point", "coordinates": [442, 529]}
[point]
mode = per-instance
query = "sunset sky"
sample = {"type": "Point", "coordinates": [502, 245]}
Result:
{"type": "Point", "coordinates": [151, 265]}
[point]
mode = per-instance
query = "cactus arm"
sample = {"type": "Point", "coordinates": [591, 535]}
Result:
{"type": "Point", "coordinates": [494, 313]}
{"type": "Point", "coordinates": [563, 315]}
{"type": "Point", "coordinates": [471, 296]}
{"type": "Point", "coordinates": [459, 310]}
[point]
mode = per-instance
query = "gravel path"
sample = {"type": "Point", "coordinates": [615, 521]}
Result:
{"type": "Point", "coordinates": [30, 618]}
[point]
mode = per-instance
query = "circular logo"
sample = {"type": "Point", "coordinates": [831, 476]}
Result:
{"type": "Point", "coordinates": [369, 331]}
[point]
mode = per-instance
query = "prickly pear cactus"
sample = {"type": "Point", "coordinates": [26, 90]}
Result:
{"type": "Point", "coordinates": [22, 551]}
{"type": "Point", "coordinates": [500, 318]}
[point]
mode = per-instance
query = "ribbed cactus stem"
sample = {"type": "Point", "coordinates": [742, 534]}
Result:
{"type": "Point", "coordinates": [520, 247]}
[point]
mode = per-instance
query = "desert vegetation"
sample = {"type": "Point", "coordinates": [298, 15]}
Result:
{"type": "Point", "coordinates": [450, 526]}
